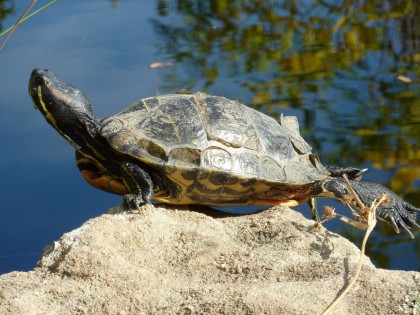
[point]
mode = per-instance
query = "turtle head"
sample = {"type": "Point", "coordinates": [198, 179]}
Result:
{"type": "Point", "coordinates": [64, 107]}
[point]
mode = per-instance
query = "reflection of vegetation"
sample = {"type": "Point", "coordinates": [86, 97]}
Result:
{"type": "Point", "coordinates": [115, 3]}
{"type": "Point", "coordinates": [336, 62]}
{"type": "Point", "coordinates": [6, 8]}
{"type": "Point", "coordinates": [312, 57]}
{"type": "Point", "coordinates": [385, 246]}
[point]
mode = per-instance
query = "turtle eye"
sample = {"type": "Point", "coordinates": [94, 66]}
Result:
{"type": "Point", "coordinates": [40, 81]}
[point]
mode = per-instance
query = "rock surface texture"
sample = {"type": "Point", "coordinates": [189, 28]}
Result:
{"type": "Point", "coordinates": [165, 261]}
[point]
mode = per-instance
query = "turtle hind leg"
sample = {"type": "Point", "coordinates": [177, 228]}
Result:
{"type": "Point", "coordinates": [351, 172]}
{"type": "Point", "coordinates": [398, 213]}
{"type": "Point", "coordinates": [139, 184]}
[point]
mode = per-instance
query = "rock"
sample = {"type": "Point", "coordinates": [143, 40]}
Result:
{"type": "Point", "coordinates": [165, 261]}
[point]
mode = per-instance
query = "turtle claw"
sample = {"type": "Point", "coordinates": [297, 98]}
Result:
{"type": "Point", "coordinates": [133, 202]}
{"type": "Point", "coordinates": [399, 225]}
{"type": "Point", "coordinates": [400, 214]}
{"type": "Point", "coordinates": [394, 225]}
{"type": "Point", "coordinates": [407, 230]}
{"type": "Point", "coordinates": [404, 227]}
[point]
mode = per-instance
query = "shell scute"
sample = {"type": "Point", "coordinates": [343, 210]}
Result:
{"type": "Point", "coordinates": [270, 169]}
{"type": "Point", "coordinates": [216, 158]}
{"type": "Point", "coordinates": [172, 124]}
{"type": "Point", "coordinates": [273, 137]}
{"type": "Point", "coordinates": [188, 157]}
{"type": "Point", "coordinates": [292, 125]}
{"type": "Point", "coordinates": [246, 163]}
{"type": "Point", "coordinates": [227, 122]}
{"type": "Point", "coordinates": [155, 151]}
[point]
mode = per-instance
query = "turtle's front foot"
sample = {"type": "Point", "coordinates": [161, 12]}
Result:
{"type": "Point", "coordinates": [134, 202]}
{"type": "Point", "coordinates": [140, 185]}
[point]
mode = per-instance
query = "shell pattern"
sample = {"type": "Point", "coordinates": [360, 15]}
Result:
{"type": "Point", "coordinates": [207, 147]}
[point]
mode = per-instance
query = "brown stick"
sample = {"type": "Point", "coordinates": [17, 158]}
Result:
{"type": "Point", "coordinates": [371, 225]}
{"type": "Point", "coordinates": [17, 23]}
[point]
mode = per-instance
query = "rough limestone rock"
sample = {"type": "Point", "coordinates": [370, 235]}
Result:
{"type": "Point", "coordinates": [166, 261]}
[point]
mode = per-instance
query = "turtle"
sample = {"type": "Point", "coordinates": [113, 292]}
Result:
{"type": "Point", "coordinates": [194, 148]}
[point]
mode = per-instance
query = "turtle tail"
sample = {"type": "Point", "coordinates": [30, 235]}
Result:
{"type": "Point", "coordinates": [351, 172]}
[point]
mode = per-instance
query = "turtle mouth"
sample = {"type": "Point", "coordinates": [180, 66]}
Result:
{"type": "Point", "coordinates": [43, 95]}
{"type": "Point", "coordinates": [50, 92]}
{"type": "Point", "coordinates": [46, 81]}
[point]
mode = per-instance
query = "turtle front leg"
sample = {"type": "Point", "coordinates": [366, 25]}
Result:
{"type": "Point", "coordinates": [139, 183]}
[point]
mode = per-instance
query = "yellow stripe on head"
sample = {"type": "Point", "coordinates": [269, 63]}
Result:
{"type": "Point", "coordinates": [48, 115]}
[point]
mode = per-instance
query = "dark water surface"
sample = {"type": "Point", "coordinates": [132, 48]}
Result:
{"type": "Point", "coordinates": [349, 70]}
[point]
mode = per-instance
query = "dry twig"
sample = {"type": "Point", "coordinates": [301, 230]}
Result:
{"type": "Point", "coordinates": [371, 218]}
{"type": "Point", "coordinates": [23, 18]}
{"type": "Point", "coordinates": [17, 23]}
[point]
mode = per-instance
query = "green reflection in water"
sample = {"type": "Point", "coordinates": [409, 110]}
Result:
{"type": "Point", "coordinates": [7, 7]}
{"type": "Point", "coordinates": [351, 68]}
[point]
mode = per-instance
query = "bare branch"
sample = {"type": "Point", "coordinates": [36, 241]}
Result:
{"type": "Point", "coordinates": [371, 225]}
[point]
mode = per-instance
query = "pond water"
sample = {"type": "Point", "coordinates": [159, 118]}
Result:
{"type": "Point", "coordinates": [349, 70]}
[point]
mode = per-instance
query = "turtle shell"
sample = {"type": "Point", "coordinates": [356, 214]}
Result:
{"type": "Point", "coordinates": [207, 147]}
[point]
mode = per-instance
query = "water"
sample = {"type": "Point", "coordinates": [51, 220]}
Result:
{"type": "Point", "coordinates": [334, 66]}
